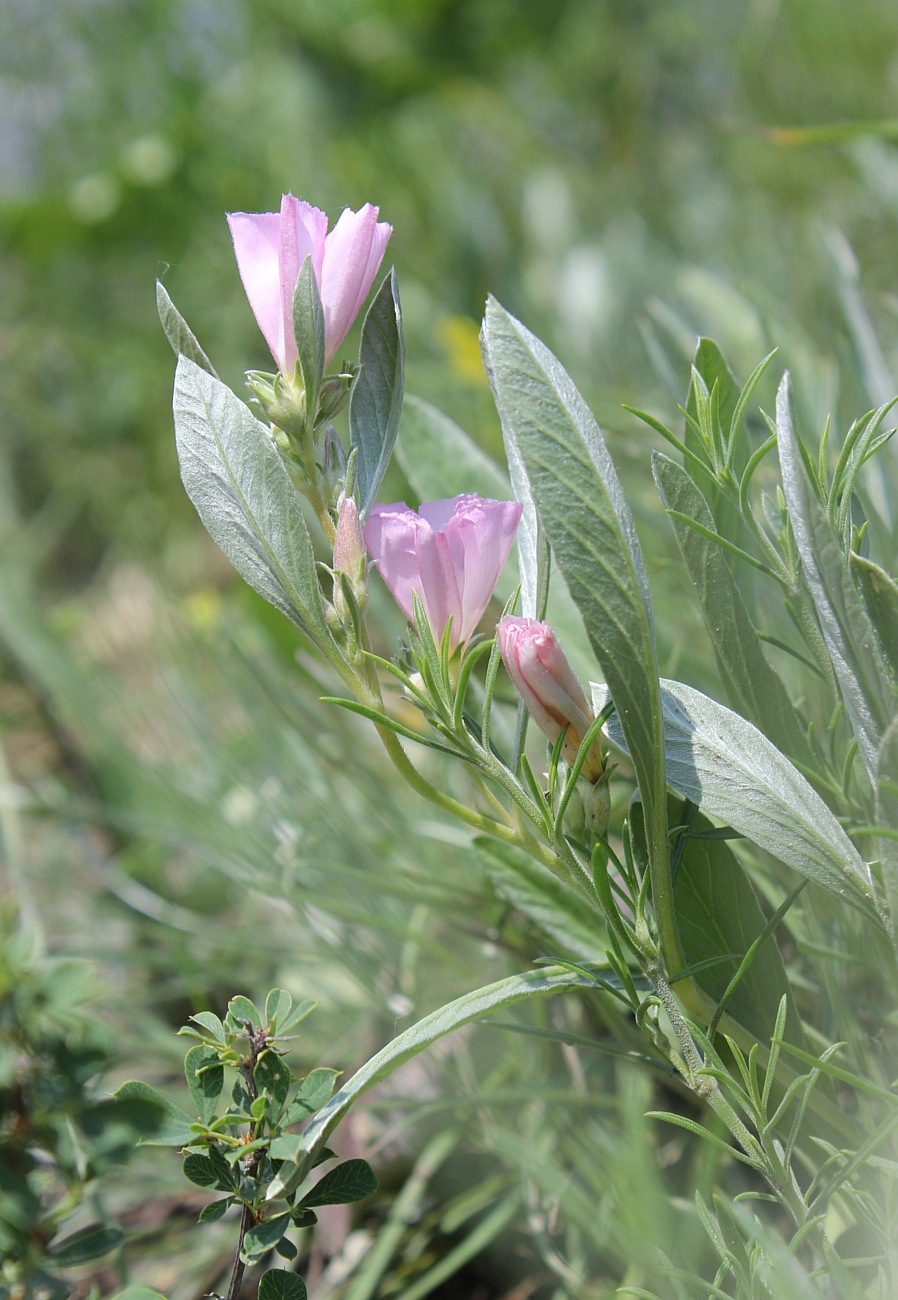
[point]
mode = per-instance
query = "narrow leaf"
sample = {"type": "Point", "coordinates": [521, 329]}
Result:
{"type": "Point", "coordinates": [178, 332]}
{"type": "Point", "coordinates": [591, 531]}
{"type": "Point", "coordinates": [464, 1010]}
{"type": "Point", "coordinates": [753, 688]}
{"type": "Point", "coordinates": [237, 481]}
{"type": "Point", "coordinates": [880, 591]}
{"type": "Point", "coordinates": [867, 684]}
{"type": "Point", "coordinates": [376, 402]}
{"type": "Point", "coordinates": [308, 330]}
{"type": "Point", "coordinates": [718, 914]}
{"type": "Point", "coordinates": [732, 772]}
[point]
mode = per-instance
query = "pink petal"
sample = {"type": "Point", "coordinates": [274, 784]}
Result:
{"type": "Point", "coordinates": [302, 235]}
{"type": "Point", "coordinates": [353, 252]}
{"type": "Point", "coordinates": [256, 237]}
{"type": "Point", "coordinates": [391, 537]}
{"type": "Point", "coordinates": [479, 535]}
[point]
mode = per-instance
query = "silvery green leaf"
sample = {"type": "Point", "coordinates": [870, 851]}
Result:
{"type": "Point", "coordinates": [236, 479]}
{"type": "Point", "coordinates": [308, 331]}
{"type": "Point", "coordinates": [590, 528]}
{"type": "Point", "coordinates": [178, 332]}
{"type": "Point", "coordinates": [751, 685]}
{"type": "Point", "coordinates": [880, 591]}
{"type": "Point", "coordinates": [732, 772]}
{"type": "Point", "coordinates": [376, 402]}
{"type": "Point", "coordinates": [867, 684]}
{"type": "Point", "coordinates": [472, 1006]}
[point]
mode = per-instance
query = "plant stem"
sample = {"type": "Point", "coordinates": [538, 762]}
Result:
{"type": "Point", "coordinates": [237, 1272]}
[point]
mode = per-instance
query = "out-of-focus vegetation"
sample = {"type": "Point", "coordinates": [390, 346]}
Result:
{"type": "Point", "coordinates": [175, 802]}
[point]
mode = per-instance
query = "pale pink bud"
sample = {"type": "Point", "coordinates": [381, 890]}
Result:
{"type": "Point", "coordinates": [349, 544]}
{"type": "Point", "coordinates": [271, 248]}
{"type": "Point", "coordinates": [549, 687]}
{"type": "Point", "coordinates": [451, 553]}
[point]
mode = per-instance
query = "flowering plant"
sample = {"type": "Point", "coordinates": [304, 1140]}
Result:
{"type": "Point", "coordinates": [677, 936]}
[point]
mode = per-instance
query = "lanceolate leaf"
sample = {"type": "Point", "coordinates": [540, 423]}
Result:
{"type": "Point", "coordinates": [881, 594]}
{"type": "Point", "coordinates": [732, 772]}
{"type": "Point", "coordinates": [308, 331]}
{"type": "Point", "coordinates": [593, 537]}
{"type": "Point", "coordinates": [178, 332]}
{"type": "Point", "coordinates": [718, 916]}
{"type": "Point", "coordinates": [243, 494]}
{"type": "Point", "coordinates": [865, 680]}
{"type": "Point", "coordinates": [416, 1039]}
{"type": "Point", "coordinates": [751, 684]}
{"type": "Point", "coordinates": [376, 402]}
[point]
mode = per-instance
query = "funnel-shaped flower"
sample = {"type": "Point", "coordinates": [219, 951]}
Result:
{"type": "Point", "coordinates": [451, 553]}
{"type": "Point", "coordinates": [271, 248]}
{"type": "Point", "coordinates": [549, 687]}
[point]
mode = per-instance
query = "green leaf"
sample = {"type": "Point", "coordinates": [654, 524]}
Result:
{"type": "Point", "coordinates": [711, 364]}
{"type": "Point", "coordinates": [277, 1008]}
{"type": "Point", "coordinates": [242, 492]}
{"type": "Point", "coordinates": [315, 1089]}
{"type": "Point", "coordinates": [210, 1022]}
{"type": "Point", "coordinates": [174, 1124]}
{"type": "Point", "coordinates": [89, 1243]}
{"type": "Point", "coordinates": [178, 332]}
{"type": "Point", "coordinates": [263, 1236]}
{"type": "Point", "coordinates": [285, 1146]}
{"type": "Point", "coordinates": [718, 914]}
{"type": "Point", "coordinates": [464, 1010]}
{"type": "Point", "coordinates": [867, 684]}
{"type": "Point", "coordinates": [215, 1210]}
{"type": "Point", "coordinates": [593, 538]}
{"type": "Point", "coordinates": [297, 1014]}
{"type": "Point", "coordinates": [278, 1284]}
{"type": "Point", "coordinates": [240, 1009]}
{"type": "Point", "coordinates": [352, 1181]}
{"type": "Point", "coordinates": [205, 1079]}
{"type": "Point", "coordinates": [210, 1170]}
{"type": "Point", "coordinates": [556, 907]}
{"type": "Point", "coordinates": [273, 1077]}
{"type": "Point", "coordinates": [308, 330]}
{"type": "Point", "coordinates": [732, 772]}
{"type": "Point", "coordinates": [753, 688]}
{"type": "Point", "coordinates": [376, 402]}
{"type": "Point", "coordinates": [880, 591]}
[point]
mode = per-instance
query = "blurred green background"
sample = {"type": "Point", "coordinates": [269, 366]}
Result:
{"type": "Point", "coordinates": [623, 177]}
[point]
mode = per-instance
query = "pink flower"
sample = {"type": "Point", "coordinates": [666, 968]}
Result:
{"type": "Point", "coordinates": [451, 553]}
{"type": "Point", "coordinates": [549, 687]}
{"type": "Point", "coordinates": [271, 248]}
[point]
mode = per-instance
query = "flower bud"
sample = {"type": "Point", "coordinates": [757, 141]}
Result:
{"type": "Point", "coordinates": [548, 686]}
{"type": "Point", "coordinates": [349, 544]}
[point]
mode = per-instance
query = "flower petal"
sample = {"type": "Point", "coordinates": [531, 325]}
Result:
{"type": "Point", "coordinates": [353, 252]}
{"type": "Point", "coordinates": [256, 237]}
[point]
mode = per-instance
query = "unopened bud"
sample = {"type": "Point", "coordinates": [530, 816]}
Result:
{"type": "Point", "coordinates": [549, 687]}
{"type": "Point", "coordinates": [350, 554]}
